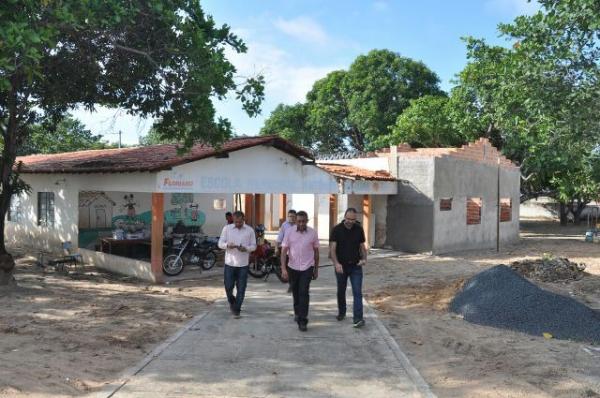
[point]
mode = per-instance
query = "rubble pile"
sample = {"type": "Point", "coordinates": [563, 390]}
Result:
{"type": "Point", "coordinates": [550, 269]}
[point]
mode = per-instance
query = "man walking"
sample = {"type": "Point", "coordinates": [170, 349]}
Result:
{"type": "Point", "coordinates": [238, 240]}
{"type": "Point", "coordinates": [301, 243]}
{"type": "Point", "coordinates": [349, 254]}
{"type": "Point", "coordinates": [290, 222]}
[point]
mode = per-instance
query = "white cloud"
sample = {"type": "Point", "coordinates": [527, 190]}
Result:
{"type": "Point", "coordinates": [512, 8]}
{"type": "Point", "coordinates": [286, 81]}
{"type": "Point", "coordinates": [304, 29]}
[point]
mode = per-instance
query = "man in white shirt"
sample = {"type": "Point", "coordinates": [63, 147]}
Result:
{"type": "Point", "coordinates": [238, 240]}
{"type": "Point", "coordinates": [290, 222]}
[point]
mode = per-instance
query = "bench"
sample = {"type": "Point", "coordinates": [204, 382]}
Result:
{"type": "Point", "coordinates": [68, 258]}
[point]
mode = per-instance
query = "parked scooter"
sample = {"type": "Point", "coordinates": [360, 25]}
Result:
{"type": "Point", "coordinates": [190, 249]}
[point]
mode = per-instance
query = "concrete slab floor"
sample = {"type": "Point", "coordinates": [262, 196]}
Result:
{"type": "Point", "coordinates": [263, 354]}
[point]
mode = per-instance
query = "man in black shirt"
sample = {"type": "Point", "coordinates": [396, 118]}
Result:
{"type": "Point", "coordinates": [349, 254]}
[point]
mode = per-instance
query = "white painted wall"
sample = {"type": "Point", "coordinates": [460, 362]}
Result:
{"type": "Point", "coordinates": [66, 200]}
{"type": "Point", "coordinates": [322, 210]}
{"type": "Point", "coordinates": [304, 202]}
{"type": "Point", "coordinates": [260, 169]}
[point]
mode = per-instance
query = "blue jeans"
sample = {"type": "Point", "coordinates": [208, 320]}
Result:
{"type": "Point", "coordinates": [355, 273]}
{"type": "Point", "coordinates": [235, 277]}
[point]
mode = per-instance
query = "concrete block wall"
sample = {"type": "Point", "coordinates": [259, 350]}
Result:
{"type": "Point", "coordinates": [463, 179]}
{"type": "Point", "coordinates": [409, 215]}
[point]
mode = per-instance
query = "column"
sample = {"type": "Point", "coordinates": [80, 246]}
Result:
{"type": "Point", "coordinates": [156, 256]}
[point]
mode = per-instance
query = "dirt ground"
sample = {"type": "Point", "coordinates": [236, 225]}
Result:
{"type": "Point", "coordinates": [459, 359]}
{"type": "Point", "coordinates": [66, 335]}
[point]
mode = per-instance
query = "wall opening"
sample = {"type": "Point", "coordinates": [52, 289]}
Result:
{"type": "Point", "coordinates": [445, 204]}
{"type": "Point", "coordinates": [505, 209]}
{"type": "Point", "coordinates": [474, 210]}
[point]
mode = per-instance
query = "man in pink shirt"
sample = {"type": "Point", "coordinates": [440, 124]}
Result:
{"type": "Point", "coordinates": [301, 243]}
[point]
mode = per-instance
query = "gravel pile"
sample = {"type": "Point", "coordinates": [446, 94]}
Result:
{"type": "Point", "coordinates": [555, 269]}
{"type": "Point", "coordinates": [501, 298]}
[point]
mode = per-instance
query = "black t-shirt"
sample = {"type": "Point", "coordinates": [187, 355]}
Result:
{"type": "Point", "coordinates": [348, 243]}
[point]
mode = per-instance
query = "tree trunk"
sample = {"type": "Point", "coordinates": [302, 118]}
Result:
{"type": "Point", "coordinates": [7, 263]}
{"type": "Point", "coordinates": [7, 266]}
{"type": "Point", "coordinates": [578, 210]}
{"type": "Point", "coordinates": [563, 214]}
{"type": "Point", "coordinates": [7, 161]}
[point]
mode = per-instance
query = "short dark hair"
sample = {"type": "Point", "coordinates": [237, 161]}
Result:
{"type": "Point", "coordinates": [302, 213]}
{"type": "Point", "coordinates": [238, 214]}
{"type": "Point", "coordinates": [350, 210]}
{"type": "Point", "coordinates": [292, 211]}
{"type": "Point", "coordinates": [228, 214]}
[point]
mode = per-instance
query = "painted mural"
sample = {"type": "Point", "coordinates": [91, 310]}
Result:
{"type": "Point", "coordinates": [127, 216]}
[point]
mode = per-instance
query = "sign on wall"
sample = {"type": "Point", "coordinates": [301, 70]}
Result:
{"type": "Point", "coordinates": [266, 181]}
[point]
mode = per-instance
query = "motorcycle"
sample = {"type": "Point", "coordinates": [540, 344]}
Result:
{"type": "Point", "coordinates": [190, 250]}
{"type": "Point", "coordinates": [264, 261]}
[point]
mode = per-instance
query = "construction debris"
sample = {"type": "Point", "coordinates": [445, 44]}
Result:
{"type": "Point", "coordinates": [550, 269]}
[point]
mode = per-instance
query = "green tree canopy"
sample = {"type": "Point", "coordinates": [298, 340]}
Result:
{"type": "Point", "coordinates": [155, 58]}
{"type": "Point", "coordinates": [353, 109]}
{"type": "Point", "coordinates": [427, 122]}
{"type": "Point", "coordinates": [69, 135]}
{"type": "Point", "coordinates": [290, 122]}
{"type": "Point", "coordinates": [538, 100]}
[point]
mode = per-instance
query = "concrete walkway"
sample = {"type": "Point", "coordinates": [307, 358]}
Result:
{"type": "Point", "coordinates": [263, 354]}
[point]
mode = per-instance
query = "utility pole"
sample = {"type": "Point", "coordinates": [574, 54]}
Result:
{"type": "Point", "coordinates": [499, 210]}
{"type": "Point", "coordinates": [120, 133]}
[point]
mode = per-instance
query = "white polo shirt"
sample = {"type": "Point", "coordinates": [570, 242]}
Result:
{"type": "Point", "coordinates": [238, 236]}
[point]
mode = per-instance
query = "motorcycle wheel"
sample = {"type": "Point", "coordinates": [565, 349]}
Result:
{"type": "Point", "coordinates": [172, 265]}
{"type": "Point", "coordinates": [209, 261]}
{"type": "Point", "coordinates": [258, 269]}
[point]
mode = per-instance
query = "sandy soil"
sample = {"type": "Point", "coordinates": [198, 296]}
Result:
{"type": "Point", "coordinates": [65, 335]}
{"type": "Point", "coordinates": [460, 359]}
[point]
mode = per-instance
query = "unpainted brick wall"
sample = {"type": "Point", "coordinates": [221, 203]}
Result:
{"type": "Point", "coordinates": [505, 209]}
{"type": "Point", "coordinates": [473, 211]}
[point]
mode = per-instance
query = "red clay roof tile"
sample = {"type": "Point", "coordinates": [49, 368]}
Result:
{"type": "Point", "coordinates": [145, 158]}
{"type": "Point", "coordinates": [343, 170]}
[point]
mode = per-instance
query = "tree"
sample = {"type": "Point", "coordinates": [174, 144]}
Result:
{"type": "Point", "coordinates": [154, 137]}
{"type": "Point", "coordinates": [353, 109]}
{"type": "Point", "coordinates": [68, 136]}
{"type": "Point", "coordinates": [290, 122]}
{"type": "Point", "coordinates": [427, 122]}
{"type": "Point", "coordinates": [539, 99]}
{"type": "Point", "coordinates": [159, 58]}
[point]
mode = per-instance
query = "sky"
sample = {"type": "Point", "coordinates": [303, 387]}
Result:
{"type": "Point", "coordinates": [293, 43]}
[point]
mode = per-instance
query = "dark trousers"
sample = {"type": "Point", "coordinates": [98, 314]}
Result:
{"type": "Point", "coordinates": [355, 273]}
{"type": "Point", "coordinates": [300, 283]}
{"type": "Point", "coordinates": [235, 277]}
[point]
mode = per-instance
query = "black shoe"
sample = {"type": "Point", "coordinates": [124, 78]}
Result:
{"type": "Point", "coordinates": [359, 324]}
{"type": "Point", "coordinates": [236, 314]}
{"type": "Point", "coordinates": [340, 317]}
{"type": "Point", "coordinates": [302, 327]}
